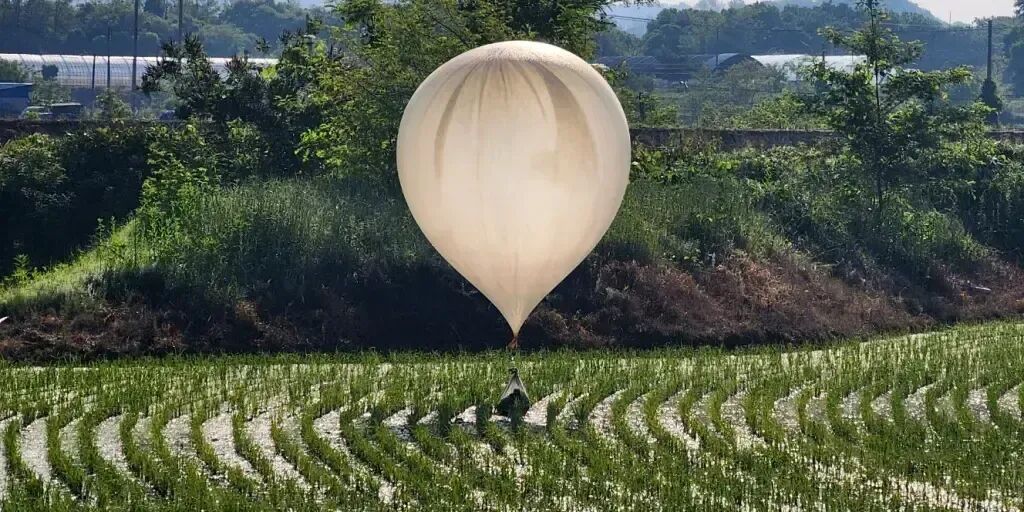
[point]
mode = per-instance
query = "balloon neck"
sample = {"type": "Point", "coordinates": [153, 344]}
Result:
{"type": "Point", "coordinates": [513, 347]}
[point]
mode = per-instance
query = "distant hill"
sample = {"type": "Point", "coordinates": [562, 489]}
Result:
{"type": "Point", "coordinates": [639, 27]}
{"type": "Point", "coordinates": [624, 13]}
{"type": "Point", "coordinates": [892, 5]}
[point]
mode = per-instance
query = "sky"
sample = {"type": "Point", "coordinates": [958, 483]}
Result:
{"type": "Point", "coordinates": [967, 10]}
{"type": "Point", "coordinates": [961, 10]}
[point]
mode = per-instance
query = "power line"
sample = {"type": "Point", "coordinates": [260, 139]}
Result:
{"type": "Point", "coordinates": [902, 27]}
{"type": "Point", "coordinates": [629, 18]}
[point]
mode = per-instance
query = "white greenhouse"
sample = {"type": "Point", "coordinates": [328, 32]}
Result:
{"type": "Point", "coordinates": [90, 71]}
{"type": "Point", "coordinates": [790, 64]}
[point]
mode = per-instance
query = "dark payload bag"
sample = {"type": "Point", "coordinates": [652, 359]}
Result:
{"type": "Point", "coordinates": [514, 401]}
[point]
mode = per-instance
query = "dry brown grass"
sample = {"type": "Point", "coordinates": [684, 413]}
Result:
{"type": "Point", "coordinates": [740, 301]}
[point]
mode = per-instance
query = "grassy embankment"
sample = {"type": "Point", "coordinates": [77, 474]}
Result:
{"type": "Point", "coordinates": [710, 247]}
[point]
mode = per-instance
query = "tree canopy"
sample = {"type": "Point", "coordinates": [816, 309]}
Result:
{"type": "Point", "coordinates": [59, 26]}
{"type": "Point", "coordinates": [770, 28]}
{"type": "Point", "coordinates": [890, 116]}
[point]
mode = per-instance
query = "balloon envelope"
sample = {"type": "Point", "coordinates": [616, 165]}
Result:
{"type": "Point", "coordinates": [513, 158]}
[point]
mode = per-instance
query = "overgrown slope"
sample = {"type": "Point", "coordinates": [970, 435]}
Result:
{"type": "Point", "coordinates": [709, 248]}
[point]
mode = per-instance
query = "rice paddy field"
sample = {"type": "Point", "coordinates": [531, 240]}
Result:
{"type": "Point", "coordinates": [922, 422]}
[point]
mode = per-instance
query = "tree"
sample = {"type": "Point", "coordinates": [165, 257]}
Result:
{"type": "Point", "coordinates": [11, 71]}
{"type": "Point", "coordinates": [612, 42]}
{"type": "Point", "coordinates": [773, 28]}
{"type": "Point", "coordinates": [49, 72]}
{"type": "Point", "coordinates": [111, 106]}
{"type": "Point", "coordinates": [990, 98]}
{"type": "Point", "coordinates": [667, 43]}
{"type": "Point", "coordinates": [223, 39]}
{"type": "Point", "coordinates": [273, 102]}
{"type": "Point", "coordinates": [63, 27]}
{"type": "Point", "coordinates": [721, 99]}
{"type": "Point", "coordinates": [1015, 59]}
{"type": "Point", "coordinates": [392, 47]}
{"type": "Point", "coordinates": [202, 92]}
{"type": "Point", "coordinates": [890, 117]}
{"type": "Point", "coordinates": [1014, 47]}
{"type": "Point", "coordinates": [48, 92]}
{"type": "Point", "coordinates": [784, 111]}
{"type": "Point", "coordinates": [265, 19]}
{"type": "Point", "coordinates": [155, 7]}
{"type": "Point", "coordinates": [640, 106]}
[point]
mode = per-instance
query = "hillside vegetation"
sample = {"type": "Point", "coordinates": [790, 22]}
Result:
{"type": "Point", "coordinates": [273, 221]}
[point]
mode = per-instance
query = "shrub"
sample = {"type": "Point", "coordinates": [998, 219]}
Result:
{"type": "Point", "coordinates": [33, 196]}
{"type": "Point", "coordinates": [921, 238]}
{"type": "Point", "coordinates": [54, 190]}
{"type": "Point", "coordinates": [246, 153]}
{"type": "Point", "coordinates": [183, 166]}
{"type": "Point", "coordinates": [284, 238]}
{"type": "Point", "coordinates": [111, 106]}
{"type": "Point", "coordinates": [12, 71]}
{"type": "Point", "coordinates": [105, 169]}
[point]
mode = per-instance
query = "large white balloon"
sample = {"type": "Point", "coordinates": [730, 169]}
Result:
{"type": "Point", "coordinates": [513, 158]}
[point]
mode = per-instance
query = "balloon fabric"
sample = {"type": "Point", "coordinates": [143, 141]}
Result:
{"type": "Point", "coordinates": [513, 158]}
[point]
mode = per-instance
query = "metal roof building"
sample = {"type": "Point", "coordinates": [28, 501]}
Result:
{"type": "Point", "coordinates": [87, 71]}
{"type": "Point", "coordinates": [686, 66]}
{"type": "Point", "coordinates": [790, 64]}
{"type": "Point", "coordinates": [14, 97]}
{"type": "Point", "coordinates": [15, 90]}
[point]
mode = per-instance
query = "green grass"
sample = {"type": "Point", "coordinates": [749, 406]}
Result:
{"type": "Point", "coordinates": [835, 457]}
{"type": "Point", "coordinates": [288, 237]}
{"type": "Point", "coordinates": [78, 283]}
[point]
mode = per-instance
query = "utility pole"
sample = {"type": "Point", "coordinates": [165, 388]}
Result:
{"type": "Point", "coordinates": [181, 21]}
{"type": "Point", "coordinates": [718, 44]}
{"type": "Point", "coordinates": [989, 92]}
{"type": "Point", "coordinates": [108, 56]}
{"type": "Point", "coordinates": [990, 49]}
{"type": "Point", "coordinates": [135, 45]}
{"type": "Point", "coordinates": [641, 107]}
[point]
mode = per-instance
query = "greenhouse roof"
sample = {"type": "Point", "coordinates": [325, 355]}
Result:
{"type": "Point", "coordinates": [789, 64]}
{"type": "Point", "coordinates": [86, 71]}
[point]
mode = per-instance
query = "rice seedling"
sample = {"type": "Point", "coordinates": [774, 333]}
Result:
{"type": "Point", "coordinates": [923, 422]}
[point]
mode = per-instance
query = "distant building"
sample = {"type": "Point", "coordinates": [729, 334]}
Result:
{"type": "Point", "coordinates": [686, 67]}
{"type": "Point", "coordinates": [14, 97]}
{"type": "Point", "coordinates": [790, 64]}
{"type": "Point", "coordinates": [678, 70]}
{"type": "Point", "coordinates": [640, 64]}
